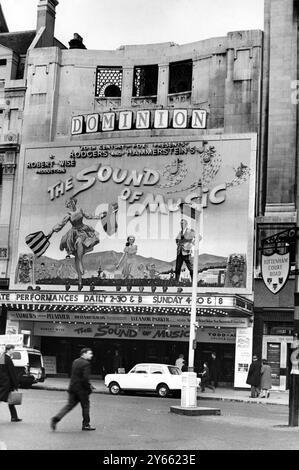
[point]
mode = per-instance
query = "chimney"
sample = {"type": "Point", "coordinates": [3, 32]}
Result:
{"type": "Point", "coordinates": [46, 18]}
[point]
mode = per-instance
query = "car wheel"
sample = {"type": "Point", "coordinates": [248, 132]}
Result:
{"type": "Point", "coordinates": [162, 390]}
{"type": "Point", "coordinates": [114, 388]}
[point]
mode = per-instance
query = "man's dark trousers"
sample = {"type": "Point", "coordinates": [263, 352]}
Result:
{"type": "Point", "coordinates": [179, 263]}
{"type": "Point", "coordinates": [74, 398]}
{"type": "Point", "coordinates": [13, 411]}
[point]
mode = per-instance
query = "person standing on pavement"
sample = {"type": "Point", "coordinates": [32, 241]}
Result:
{"type": "Point", "coordinates": [205, 378]}
{"type": "Point", "coordinates": [79, 390]}
{"type": "Point", "coordinates": [254, 377]}
{"type": "Point", "coordinates": [266, 379]}
{"type": "Point", "coordinates": [180, 361]}
{"type": "Point", "coordinates": [8, 380]}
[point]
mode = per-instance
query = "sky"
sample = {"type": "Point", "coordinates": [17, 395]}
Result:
{"type": "Point", "coordinates": [106, 24]}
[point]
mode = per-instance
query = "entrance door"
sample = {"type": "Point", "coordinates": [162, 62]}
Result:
{"type": "Point", "coordinates": [225, 357]}
{"type": "Point", "coordinates": [277, 351]}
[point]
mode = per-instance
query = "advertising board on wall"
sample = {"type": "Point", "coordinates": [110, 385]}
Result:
{"type": "Point", "coordinates": [164, 319]}
{"type": "Point", "coordinates": [147, 332]}
{"type": "Point", "coordinates": [243, 356]}
{"type": "Point", "coordinates": [110, 213]}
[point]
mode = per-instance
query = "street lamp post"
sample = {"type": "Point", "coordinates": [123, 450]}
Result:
{"type": "Point", "coordinates": [294, 375]}
{"type": "Point", "coordinates": [189, 393]}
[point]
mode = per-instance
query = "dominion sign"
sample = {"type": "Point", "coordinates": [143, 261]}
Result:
{"type": "Point", "coordinates": [120, 214]}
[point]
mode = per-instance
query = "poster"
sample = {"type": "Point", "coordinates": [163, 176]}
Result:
{"type": "Point", "coordinates": [112, 214]}
{"type": "Point", "coordinates": [243, 356]}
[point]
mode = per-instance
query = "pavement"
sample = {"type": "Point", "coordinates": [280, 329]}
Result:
{"type": "Point", "coordinates": [227, 394]}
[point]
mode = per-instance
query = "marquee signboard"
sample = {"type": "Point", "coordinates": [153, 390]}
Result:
{"type": "Point", "coordinates": [112, 331]}
{"type": "Point", "coordinates": [142, 319]}
{"type": "Point", "coordinates": [93, 299]}
{"type": "Point", "coordinates": [109, 213]}
{"type": "Point", "coordinates": [142, 119]}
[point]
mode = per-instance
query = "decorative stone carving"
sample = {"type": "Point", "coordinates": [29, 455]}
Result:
{"type": "Point", "coordinates": [9, 168]}
{"type": "Point", "coordinates": [24, 273]}
{"type": "Point", "coordinates": [236, 271]}
{"type": "Point", "coordinates": [179, 98]}
{"type": "Point", "coordinates": [11, 137]}
{"type": "Point", "coordinates": [3, 252]}
{"type": "Point", "coordinates": [144, 101]}
{"type": "Point", "coordinates": [107, 103]}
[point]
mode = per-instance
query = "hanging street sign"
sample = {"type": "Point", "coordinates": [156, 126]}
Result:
{"type": "Point", "coordinates": [275, 271]}
{"type": "Point", "coordinates": [276, 259]}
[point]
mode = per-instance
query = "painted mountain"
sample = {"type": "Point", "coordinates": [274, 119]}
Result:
{"type": "Point", "coordinates": [104, 264]}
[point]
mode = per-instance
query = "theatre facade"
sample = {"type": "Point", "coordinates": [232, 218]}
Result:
{"type": "Point", "coordinates": [117, 148]}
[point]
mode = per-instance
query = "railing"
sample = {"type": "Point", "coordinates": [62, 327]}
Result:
{"type": "Point", "coordinates": [179, 98]}
{"type": "Point", "coordinates": [107, 103]}
{"type": "Point", "coordinates": [144, 100]}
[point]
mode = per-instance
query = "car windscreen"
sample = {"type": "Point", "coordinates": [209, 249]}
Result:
{"type": "Point", "coordinates": [16, 355]}
{"type": "Point", "coordinates": [34, 360]}
{"type": "Point", "coordinates": [174, 370]}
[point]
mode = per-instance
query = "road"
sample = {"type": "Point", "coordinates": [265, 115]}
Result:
{"type": "Point", "coordinates": [129, 422]}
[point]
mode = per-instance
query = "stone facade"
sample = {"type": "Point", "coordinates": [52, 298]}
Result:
{"type": "Point", "coordinates": [222, 76]}
{"type": "Point", "coordinates": [226, 81]}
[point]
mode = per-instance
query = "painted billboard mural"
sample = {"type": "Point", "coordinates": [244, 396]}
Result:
{"type": "Point", "coordinates": [123, 214]}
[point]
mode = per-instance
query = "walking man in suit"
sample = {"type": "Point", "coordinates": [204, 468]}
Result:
{"type": "Point", "coordinates": [79, 390]}
{"type": "Point", "coordinates": [185, 242]}
{"type": "Point", "coordinates": [8, 380]}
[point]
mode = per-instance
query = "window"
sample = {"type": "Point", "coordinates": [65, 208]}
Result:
{"type": "Point", "coordinates": [34, 360]}
{"type": "Point", "coordinates": [140, 369]}
{"type": "Point", "coordinates": [16, 355]}
{"type": "Point", "coordinates": [108, 82]}
{"type": "Point", "coordinates": [145, 81]}
{"type": "Point", "coordinates": [180, 76]}
{"type": "Point", "coordinates": [174, 370]}
{"type": "Point", "coordinates": [156, 370]}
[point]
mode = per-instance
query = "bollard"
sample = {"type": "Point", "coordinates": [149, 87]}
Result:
{"type": "Point", "coordinates": [189, 389]}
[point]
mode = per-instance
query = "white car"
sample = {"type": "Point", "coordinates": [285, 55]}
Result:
{"type": "Point", "coordinates": [160, 378]}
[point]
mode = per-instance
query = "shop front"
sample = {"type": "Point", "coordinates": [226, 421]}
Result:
{"type": "Point", "coordinates": [104, 246]}
{"type": "Point", "coordinates": [273, 330]}
{"type": "Point", "coordinates": [139, 333]}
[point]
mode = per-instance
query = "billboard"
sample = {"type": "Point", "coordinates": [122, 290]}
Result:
{"type": "Point", "coordinates": [124, 213]}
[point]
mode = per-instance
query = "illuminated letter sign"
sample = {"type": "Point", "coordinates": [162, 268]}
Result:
{"type": "Point", "coordinates": [180, 118]}
{"type": "Point", "coordinates": [161, 119]}
{"type": "Point", "coordinates": [92, 123]}
{"type": "Point", "coordinates": [108, 122]}
{"type": "Point", "coordinates": [125, 120]}
{"type": "Point", "coordinates": [77, 125]}
{"type": "Point", "coordinates": [142, 119]}
{"type": "Point", "coordinates": [199, 118]}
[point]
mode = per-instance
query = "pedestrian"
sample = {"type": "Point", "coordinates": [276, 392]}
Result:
{"type": "Point", "coordinates": [79, 390]}
{"type": "Point", "coordinates": [8, 380]}
{"type": "Point", "coordinates": [213, 370]}
{"type": "Point", "coordinates": [180, 361]}
{"type": "Point", "coordinates": [254, 377]}
{"type": "Point", "coordinates": [205, 378]}
{"type": "Point", "coordinates": [117, 362]}
{"type": "Point", "coordinates": [266, 379]}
